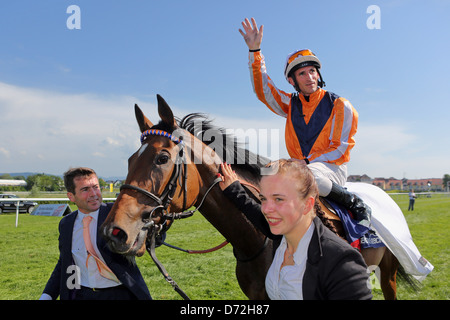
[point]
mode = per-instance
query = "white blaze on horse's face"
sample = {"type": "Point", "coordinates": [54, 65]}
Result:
{"type": "Point", "coordinates": [142, 149]}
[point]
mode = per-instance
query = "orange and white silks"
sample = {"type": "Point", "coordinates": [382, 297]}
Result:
{"type": "Point", "coordinates": [321, 129]}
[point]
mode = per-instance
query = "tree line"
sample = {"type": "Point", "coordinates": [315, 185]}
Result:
{"type": "Point", "coordinates": [46, 182]}
{"type": "Point", "coordinates": [39, 182]}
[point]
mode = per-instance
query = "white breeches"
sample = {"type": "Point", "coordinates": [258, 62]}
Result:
{"type": "Point", "coordinates": [325, 173]}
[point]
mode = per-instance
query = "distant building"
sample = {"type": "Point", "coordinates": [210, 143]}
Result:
{"type": "Point", "coordinates": [357, 178]}
{"type": "Point", "coordinates": [116, 183]}
{"type": "Point", "coordinates": [432, 184]}
{"type": "Point", "coordinates": [387, 184]}
{"type": "Point", "coordinates": [12, 183]}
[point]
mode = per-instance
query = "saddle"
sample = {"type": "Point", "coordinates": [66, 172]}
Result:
{"type": "Point", "coordinates": [328, 210]}
{"type": "Point", "coordinates": [357, 235]}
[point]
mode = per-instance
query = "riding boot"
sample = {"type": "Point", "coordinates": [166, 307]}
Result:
{"type": "Point", "coordinates": [352, 202]}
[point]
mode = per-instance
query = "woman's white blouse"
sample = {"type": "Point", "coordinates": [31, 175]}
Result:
{"type": "Point", "coordinates": [286, 284]}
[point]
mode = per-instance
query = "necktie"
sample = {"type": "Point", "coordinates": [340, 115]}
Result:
{"type": "Point", "coordinates": [104, 270]}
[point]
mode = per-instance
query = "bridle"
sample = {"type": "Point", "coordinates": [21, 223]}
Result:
{"type": "Point", "coordinates": [179, 174]}
{"type": "Point", "coordinates": [164, 200]}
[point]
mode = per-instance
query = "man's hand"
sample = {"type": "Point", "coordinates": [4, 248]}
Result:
{"type": "Point", "coordinates": [252, 35]}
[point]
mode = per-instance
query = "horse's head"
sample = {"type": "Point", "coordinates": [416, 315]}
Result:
{"type": "Point", "coordinates": [154, 172]}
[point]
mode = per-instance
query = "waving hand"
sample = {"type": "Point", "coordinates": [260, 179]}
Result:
{"type": "Point", "coordinates": [252, 35]}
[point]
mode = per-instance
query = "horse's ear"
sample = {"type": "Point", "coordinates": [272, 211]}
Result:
{"type": "Point", "coordinates": [144, 123]}
{"type": "Point", "coordinates": [165, 112]}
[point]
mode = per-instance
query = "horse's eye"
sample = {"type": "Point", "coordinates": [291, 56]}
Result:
{"type": "Point", "coordinates": [162, 159]}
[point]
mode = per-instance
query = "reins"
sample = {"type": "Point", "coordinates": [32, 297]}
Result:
{"type": "Point", "coordinates": [220, 246]}
{"type": "Point", "coordinates": [150, 245]}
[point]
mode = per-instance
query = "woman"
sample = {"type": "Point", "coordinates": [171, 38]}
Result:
{"type": "Point", "coordinates": [310, 262]}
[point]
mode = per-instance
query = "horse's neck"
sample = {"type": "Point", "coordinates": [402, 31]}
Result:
{"type": "Point", "coordinates": [217, 209]}
{"type": "Point", "coordinates": [230, 222]}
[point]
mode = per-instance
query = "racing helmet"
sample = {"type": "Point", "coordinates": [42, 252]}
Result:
{"type": "Point", "coordinates": [302, 58]}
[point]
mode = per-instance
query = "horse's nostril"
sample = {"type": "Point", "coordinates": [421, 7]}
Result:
{"type": "Point", "coordinates": [118, 235]}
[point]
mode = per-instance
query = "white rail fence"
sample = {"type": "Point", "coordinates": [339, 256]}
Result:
{"type": "Point", "coordinates": [58, 200]}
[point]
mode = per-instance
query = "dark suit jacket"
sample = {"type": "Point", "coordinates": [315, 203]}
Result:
{"type": "Point", "coordinates": [334, 270]}
{"type": "Point", "coordinates": [127, 272]}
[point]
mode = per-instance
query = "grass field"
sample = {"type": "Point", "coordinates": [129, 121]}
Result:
{"type": "Point", "coordinates": [29, 253]}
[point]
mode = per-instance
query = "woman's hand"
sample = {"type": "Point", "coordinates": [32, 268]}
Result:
{"type": "Point", "coordinates": [228, 176]}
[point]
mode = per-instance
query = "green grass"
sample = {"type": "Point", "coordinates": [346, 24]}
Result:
{"type": "Point", "coordinates": [29, 253]}
{"type": "Point", "coordinates": [429, 224]}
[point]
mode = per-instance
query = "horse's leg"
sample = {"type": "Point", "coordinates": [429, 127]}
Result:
{"type": "Point", "coordinates": [389, 266]}
{"type": "Point", "coordinates": [373, 256]}
{"type": "Point", "coordinates": [251, 275]}
{"type": "Point", "coordinates": [251, 281]}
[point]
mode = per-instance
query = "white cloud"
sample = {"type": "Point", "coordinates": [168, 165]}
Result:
{"type": "Point", "coordinates": [64, 69]}
{"type": "Point", "coordinates": [382, 139]}
{"type": "Point", "coordinates": [397, 150]}
{"type": "Point", "coordinates": [4, 152]}
{"type": "Point", "coordinates": [44, 131]}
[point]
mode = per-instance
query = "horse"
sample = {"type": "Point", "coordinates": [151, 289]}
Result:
{"type": "Point", "coordinates": [380, 257]}
{"type": "Point", "coordinates": [175, 169]}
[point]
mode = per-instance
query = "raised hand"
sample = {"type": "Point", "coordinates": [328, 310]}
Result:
{"type": "Point", "coordinates": [252, 35]}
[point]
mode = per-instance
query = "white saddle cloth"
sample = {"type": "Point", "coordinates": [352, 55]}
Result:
{"type": "Point", "coordinates": [391, 226]}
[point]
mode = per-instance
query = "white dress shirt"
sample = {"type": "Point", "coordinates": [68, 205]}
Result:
{"type": "Point", "coordinates": [89, 276]}
{"type": "Point", "coordinates": [287, 283]}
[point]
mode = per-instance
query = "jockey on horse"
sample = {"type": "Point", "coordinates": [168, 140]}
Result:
{"type": "Point", "coordinates": [320, 125]}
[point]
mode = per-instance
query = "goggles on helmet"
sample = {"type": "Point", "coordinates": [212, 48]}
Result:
{"type": "Point", "coordinates": [300, 59]}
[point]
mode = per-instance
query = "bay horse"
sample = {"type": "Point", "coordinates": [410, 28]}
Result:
{"type": "Point", "coordinates": [176, 168]}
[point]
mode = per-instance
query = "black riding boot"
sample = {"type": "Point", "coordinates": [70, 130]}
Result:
{"type": "Point", "coordinates": [355, 204]}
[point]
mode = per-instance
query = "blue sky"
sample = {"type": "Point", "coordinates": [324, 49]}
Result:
{"type": "Point", "coordinates": [67, 96]}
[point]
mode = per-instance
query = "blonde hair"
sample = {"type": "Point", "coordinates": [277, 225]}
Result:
{"type": "Point", "coordinates": [305, 183]}
{"type": "Point", "coordinates": [299, 171]}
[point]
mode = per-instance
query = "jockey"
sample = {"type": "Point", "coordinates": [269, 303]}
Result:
{"type": "Point", "coordinates": [320, 125]}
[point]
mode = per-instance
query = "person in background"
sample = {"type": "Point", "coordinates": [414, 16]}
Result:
{"type": "Point", "coordinates": [412, 199]}
{"type": "Point", "coordinates": [87, 269]}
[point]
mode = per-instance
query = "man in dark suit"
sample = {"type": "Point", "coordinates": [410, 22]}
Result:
{"type": "Point", "coordinates": [88, 269]}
